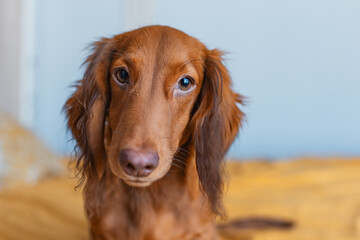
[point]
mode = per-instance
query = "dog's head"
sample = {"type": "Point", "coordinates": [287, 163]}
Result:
{"type": "Point", "coordinates": [144, 95]}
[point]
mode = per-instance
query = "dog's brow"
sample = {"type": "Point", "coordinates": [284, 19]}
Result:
{"type": "Point", "coordinates": [123, 54]}
{"type": "Point", "coordinates": [190, 62]}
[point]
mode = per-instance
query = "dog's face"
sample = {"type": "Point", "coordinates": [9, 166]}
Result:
{"type": "Point", "coordinates": [145, 94]}
{"type": "Point", "coordinates": [155, 79]}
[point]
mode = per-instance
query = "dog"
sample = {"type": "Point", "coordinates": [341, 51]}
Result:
{"type": "Point", "coordinates": [153, 117]}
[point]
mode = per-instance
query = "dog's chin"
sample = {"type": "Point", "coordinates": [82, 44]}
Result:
{"type": "Point", "coordinates": [138, 183]}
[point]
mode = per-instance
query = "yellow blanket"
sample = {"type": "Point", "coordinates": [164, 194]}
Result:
{"type": "Point", "coordinates": [322, 197]}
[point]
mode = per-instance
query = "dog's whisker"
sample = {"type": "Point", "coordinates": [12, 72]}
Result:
{"type": "Point", "coordinates": [181, 166]}
{"type": "Point", "coordinates": [183, 150]}
{"type": "Point", "coordinates": [176, 165]}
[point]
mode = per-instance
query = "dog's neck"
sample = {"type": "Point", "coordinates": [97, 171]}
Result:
{"type": "Point", "coordinates": [114, 204]}
{"type": "Point", "coordinates": [165, 192]}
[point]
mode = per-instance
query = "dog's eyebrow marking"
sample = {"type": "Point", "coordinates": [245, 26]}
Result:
{"type": "Point", "coordinates": [123, 54]}
{"type": "Point", "coordinates": [190, 62]}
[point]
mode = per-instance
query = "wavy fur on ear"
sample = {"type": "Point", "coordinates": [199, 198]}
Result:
{"type": "Point", "coordinates": [216, 119]}
{"type": "Point", "coordinates": [86, 108]}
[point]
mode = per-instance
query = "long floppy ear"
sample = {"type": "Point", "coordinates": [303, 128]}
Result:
{"type": "Point", "coordinates": [216, 120]}
{"type": "Point", "coordinates": [86, 110]}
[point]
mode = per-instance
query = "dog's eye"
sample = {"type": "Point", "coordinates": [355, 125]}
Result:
{"type": "Point", "coordinates": [122, 76]}
{"type": "Point", "coordinates": [185, 83]}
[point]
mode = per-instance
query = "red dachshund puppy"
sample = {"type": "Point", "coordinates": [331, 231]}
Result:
{"type": "Point", "coordinates": [153, 118]}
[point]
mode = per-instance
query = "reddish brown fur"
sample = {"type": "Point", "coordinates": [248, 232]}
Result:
{"type": "Point", "coordinates": [191, 134]}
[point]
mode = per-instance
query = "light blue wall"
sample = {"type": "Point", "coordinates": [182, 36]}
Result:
{"type": "Point", "coordinates": [64, 28]}
{"type": "Point", "coordinates": [297, 61]}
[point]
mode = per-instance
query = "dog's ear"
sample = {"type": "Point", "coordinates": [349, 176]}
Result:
{"type": "Point", "coordinates": [216, 120]}
{"type": "Point", "coordinates": [86, 110]}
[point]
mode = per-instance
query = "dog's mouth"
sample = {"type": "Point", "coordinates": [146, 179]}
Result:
{"type": "Point", "coordinates": [137, 182]}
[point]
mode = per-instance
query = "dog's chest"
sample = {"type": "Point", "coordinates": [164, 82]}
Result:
{"type": "Point", "coordinates": [140, 218]}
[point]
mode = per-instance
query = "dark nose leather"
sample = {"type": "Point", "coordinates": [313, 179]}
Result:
{"type": "Point", "coordinates": [138, 163]}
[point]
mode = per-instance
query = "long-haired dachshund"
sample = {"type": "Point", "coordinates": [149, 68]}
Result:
{"type": "Point", "coordinates": [153, 118]}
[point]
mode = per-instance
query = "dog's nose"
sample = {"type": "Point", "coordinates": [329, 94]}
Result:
{"type": "Point", "coordinates": [138, 163]}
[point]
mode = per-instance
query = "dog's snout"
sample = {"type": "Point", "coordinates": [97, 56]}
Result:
{"type": "Point", "coordinates": [138, 163]}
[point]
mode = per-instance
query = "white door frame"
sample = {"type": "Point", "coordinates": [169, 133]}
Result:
{"type": "Point", "coordinates": [139, 13]}
{"type": "Point", "coordinates": [17, 48]}
{"type": "Point", "coordinates": [27, 62]}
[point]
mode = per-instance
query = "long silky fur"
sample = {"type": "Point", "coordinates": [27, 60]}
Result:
{"type": "Point", "coordinates": [214, 130]}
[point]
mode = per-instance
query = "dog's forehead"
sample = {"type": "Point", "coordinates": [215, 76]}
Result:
{"type": "Point", "coordinates": [159, 44]}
